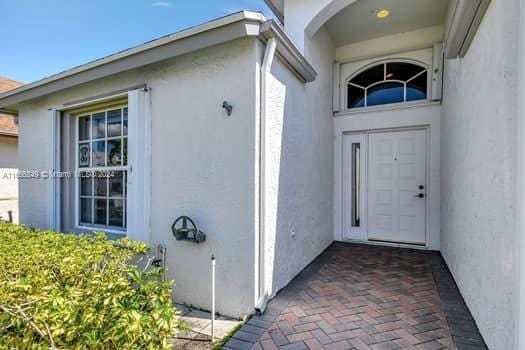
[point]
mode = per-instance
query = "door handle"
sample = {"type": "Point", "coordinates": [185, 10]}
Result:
{"type": "Point", "coordinates": [421, 195]}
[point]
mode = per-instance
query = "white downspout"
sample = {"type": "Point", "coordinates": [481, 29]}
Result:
{"type": "Point", "coordinates": [520, 317]}
{"type": "Point", "coordinates": [266, 67]}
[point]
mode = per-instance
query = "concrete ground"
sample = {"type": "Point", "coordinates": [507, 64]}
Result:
{"type": "Point", "coordinates": [366, 298]}
{"type": "Point", "coordinates": [198, 336]}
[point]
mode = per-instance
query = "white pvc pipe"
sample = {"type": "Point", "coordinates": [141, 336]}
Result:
{"type": "Point", "coordinates": [520, 317]}
{"type": "Point", "coordinates": [212, 296]}
{"type": "Point", "coordinates": [266, 67]}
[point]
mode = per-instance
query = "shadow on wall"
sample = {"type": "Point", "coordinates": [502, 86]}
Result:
{"type": "Point", "coordinates": [299, 174]}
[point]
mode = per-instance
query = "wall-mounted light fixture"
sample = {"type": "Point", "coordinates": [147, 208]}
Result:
{"type": "Point", "coordinates": [184, 229]}
{"type": "Point", "coordinates": [228, 107]}
{"type": "Point", "coordinates": [384, 13]}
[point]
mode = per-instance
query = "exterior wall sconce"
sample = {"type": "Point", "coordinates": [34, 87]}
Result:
{"type": "Point", "coordinates": [228, 107]}
{"type": "Point", "coordinates": [183, 232]}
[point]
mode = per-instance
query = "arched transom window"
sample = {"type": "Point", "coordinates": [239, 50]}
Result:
{"type": "Point", "coordinates": [389, 82]}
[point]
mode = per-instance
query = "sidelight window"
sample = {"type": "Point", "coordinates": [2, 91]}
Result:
{"type": "Point", "coordinates": [356, 185]}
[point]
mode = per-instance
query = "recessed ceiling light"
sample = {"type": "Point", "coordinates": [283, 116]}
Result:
{"type": "Point", "coordinates": [383, 13]}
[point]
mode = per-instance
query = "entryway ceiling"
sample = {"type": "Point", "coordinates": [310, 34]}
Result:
{"type": "Point", "coordinates": [358, 21]}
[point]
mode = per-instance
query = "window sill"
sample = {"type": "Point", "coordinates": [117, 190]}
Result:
{"type": "Point", "coordinates": [389, 107]}
{"type": "Point", "coordinates": [111, 234]}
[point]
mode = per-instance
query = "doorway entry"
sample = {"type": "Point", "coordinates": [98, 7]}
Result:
{"type": "Point", "coordinates": [385, 187]}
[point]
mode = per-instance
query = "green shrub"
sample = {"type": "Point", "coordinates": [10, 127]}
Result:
{"type": "Point", "coordinates": [79, 292]}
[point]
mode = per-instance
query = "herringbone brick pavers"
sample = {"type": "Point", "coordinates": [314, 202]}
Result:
{"type": "Point", "coordinates": [364, 297]}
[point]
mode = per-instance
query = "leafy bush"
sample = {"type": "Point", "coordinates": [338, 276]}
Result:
{"type": "Point", "coordinates": [79, 292]}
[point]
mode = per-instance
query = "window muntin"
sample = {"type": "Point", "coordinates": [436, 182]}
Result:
{"type": "Point", "coordinates": [387, 83]}
{"type": "Point", "coordinates": [102, 166]}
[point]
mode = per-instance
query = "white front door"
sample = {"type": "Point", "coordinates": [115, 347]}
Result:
{"type": "Point", "coordinates": [397, 187]}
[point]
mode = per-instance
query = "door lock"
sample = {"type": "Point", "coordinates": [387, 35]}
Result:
{"type": "Point", "coordinates": [421, 187]}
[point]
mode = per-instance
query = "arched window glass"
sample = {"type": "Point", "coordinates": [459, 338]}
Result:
{"type": "Point", "coordinates": [386, 83]}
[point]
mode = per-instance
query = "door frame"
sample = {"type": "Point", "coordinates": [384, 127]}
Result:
{"type": "Point", "coordinates": [427, 117]}
{"type": "Point", "coordinates": [363, 231]}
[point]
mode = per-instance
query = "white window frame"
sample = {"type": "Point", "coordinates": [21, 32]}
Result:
{"type": "Point", "coordinates": [78, 170]}
{"type": "Point", "coordinates": [384, 62]}
{"type": "Point", "coordinates": [54, 212]}
{"type": "Point", "coordinates": [139, 159]}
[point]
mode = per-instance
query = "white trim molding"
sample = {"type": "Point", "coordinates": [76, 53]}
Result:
{"type": "Point", "coordinates": [277, 7]}
{"type": "Point", "coordinates": [463, 25]}
{"type": "Point", "coordinates": [54, 167]}
{"type": "Point", "coordinates": [336, 100]}
{"type": "Point", "coordinates": [520, 317]}
{"type": "Point", "coordinates": [437, 72]}
{"type": "Point", "coordinates": [139, 164]}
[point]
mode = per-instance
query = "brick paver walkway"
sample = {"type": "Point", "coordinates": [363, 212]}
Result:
{"type": "Point", "coordinates": [365, 297]}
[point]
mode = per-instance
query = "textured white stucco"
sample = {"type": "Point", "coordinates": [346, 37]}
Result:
{"type": "Point", "coordinates": [298, 15]}
{"type": "Point", "coordinates": [299, 165]}
{"type": "Point", "coordinates": [478, 162]}
{"type": "Point", "coordinates": [8, 153]}
{"type": "Point", "coordinates": [202, 166]}
{"type": "Point", "coordinates": [390, 44]}
{"type": "Point", "coordinates": [8, 180]}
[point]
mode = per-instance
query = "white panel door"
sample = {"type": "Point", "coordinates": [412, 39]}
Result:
{"type": "Point", "coordinates": [397, 187]}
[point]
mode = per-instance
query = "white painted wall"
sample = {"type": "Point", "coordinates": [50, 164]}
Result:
{"type": "Point", "coordinates": [520, 332]}
{"type": "Point", "coordinates": [33, 145]}
{"type": "Point", "coordinates": [203, 165]}
{"type": "Point", "coordinates": [478, 213]}
{"type": "Point", "coordinates": [303, 18]}
{"type": "Point", "coordinates": [8, 180]}
{"type": "Point", "coordinates": [390, 44]}
{"type": "Point", "coordinates": [8, 153]}
{"type": "Point", "coordinates": [299, 197]}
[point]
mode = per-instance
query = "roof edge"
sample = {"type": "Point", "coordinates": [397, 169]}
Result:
{"type": "Point", "coordinates": [462, 26]}
{"type": "Point", "coordinates": [288, 51]}
{"type": "Point", "coordinates": [277, 8]}
{"type": "Point", "coordinates": [13, 135]}
{"type": "Point", "coordinates": [183, 34]}
{"type": "Point", "coordinates": [235, 26]}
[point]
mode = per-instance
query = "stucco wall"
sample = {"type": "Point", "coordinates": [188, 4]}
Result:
{"type": "Point", "coordinates": [202, 166]}
{"type": "Point", "coordinates": [8, 153]}
{"type": "Point", "coordinates": [478, 156]}
{"type": "Point", "coordinates": [8, 180]}
{"type": "Point", "coordinates": [298, 14]}
{"type": "Point", "coordinates": [299, 180]}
